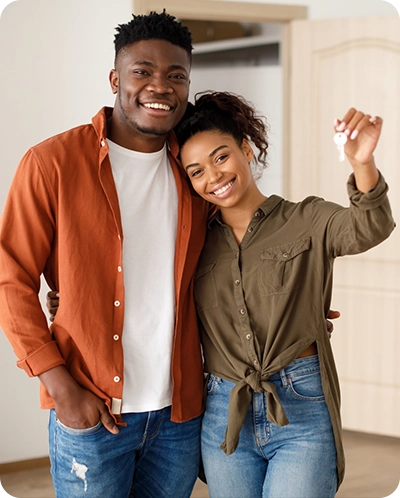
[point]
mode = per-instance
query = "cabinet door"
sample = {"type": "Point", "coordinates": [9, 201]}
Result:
{"type": "Point", "coordinates": [334, 65]}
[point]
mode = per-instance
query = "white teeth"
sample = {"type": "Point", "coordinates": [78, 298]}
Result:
{"type": "Point", "coordinates": [223, 189]}
{"type": "Point", "coordinates": [157, 106]}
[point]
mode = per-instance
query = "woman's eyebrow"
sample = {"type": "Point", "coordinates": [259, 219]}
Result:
{"type": "Point", "coordinates": [211, 154]}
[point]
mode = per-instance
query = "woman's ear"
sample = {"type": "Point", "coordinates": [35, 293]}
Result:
{"type": "Point", "coordinates": [247, 150]}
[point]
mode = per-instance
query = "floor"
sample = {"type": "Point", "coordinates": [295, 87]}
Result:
{"type": "Point", "coordinates": [373, 471]}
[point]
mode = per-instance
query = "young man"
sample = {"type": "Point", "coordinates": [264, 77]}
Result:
{"type": "Point", "coordinates": [106, 214]}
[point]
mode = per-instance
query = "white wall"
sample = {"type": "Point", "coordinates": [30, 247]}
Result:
{"type": "Point", "coordinates": [55, 56]}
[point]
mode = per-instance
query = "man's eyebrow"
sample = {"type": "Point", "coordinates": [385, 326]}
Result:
{"type": "Point", "coordinates": [211, 154]}
{"type": "Point", "coordinates": [172, 67]}
{"type": "Point", "coordinates": [178, 67]}
{"type": "Point", "coordinates": [144, 63]}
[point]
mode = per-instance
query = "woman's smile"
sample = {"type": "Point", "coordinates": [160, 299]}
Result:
{"type": "Point", "coordinates": [225, 189]}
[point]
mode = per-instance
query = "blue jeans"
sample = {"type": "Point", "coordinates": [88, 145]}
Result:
{"type": "Point", "coordinates": [294, 461]}
{"type": "Point", "coordinates": [151, 457]}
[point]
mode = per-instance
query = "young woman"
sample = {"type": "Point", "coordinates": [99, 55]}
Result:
{"type": "Point", "coordinates": [263, 287]}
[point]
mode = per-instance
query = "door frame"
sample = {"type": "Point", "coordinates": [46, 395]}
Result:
{"type": "Point", "coordinates": [217, 10]}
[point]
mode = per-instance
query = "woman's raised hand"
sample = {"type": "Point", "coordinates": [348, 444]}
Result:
{"type": "Point", "coordinates": [363, 132]}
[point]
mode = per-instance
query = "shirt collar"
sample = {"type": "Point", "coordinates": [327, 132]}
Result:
{"type": "Point", "coordinates": [265, 209]}
{"type": "Point", "coordinates": [99, 122]}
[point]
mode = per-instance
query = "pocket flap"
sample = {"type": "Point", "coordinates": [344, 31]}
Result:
{"type": "Point", "coordinates": [287, 251]}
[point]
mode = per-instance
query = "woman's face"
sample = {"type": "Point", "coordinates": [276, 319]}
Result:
{"type": "Point", "coordinates": [218, 168]}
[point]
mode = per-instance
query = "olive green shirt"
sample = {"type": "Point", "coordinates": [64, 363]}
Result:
{"type": "Point", "coordinates": [263, 302]}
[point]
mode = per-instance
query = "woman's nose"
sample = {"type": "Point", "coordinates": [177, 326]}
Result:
{"type": "Point", "coordinates": [214, 175]}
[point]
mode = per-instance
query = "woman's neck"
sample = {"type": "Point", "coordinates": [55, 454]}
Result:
{"type": "Point", "coordinates": [239, 217]}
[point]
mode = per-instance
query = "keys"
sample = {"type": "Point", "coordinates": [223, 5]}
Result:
{"type": "Point", "coordinates": [340, 139]}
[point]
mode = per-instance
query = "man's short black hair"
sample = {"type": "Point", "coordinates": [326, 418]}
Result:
{"type": "Point", "coordinates": [153, 26]}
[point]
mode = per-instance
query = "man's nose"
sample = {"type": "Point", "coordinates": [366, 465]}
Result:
{"type": "Point", "coordinates": [160, 84]}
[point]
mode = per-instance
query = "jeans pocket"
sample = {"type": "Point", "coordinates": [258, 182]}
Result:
{"type": "Point", "coordinates": [306, 386]}
{"type": "Point", "coordinates": [80, 432]}
{"type": "Point", "coordinates": [212, 383]}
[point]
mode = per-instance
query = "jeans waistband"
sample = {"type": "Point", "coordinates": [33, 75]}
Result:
{"type": "Point", "coordinates": [297, 367]}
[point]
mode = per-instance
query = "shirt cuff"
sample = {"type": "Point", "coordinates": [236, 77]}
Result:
{"type": "Point", "coordinates": [41, 360]}
{"type": "Point", "coordinates": [371, 199]}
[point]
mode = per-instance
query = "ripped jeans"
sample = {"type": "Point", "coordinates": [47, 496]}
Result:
{"type": "Point", "coordinates": [294, 461]}
{"type": "Point", "coordinates": [151, 457]}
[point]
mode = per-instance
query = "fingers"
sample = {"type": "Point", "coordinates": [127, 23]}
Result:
{"type": "Point", "coordinates": [355, 121]}
{"type": "Point", "coordinates": [332, 314]}
{"type": "Point", "coordinates": [52, 295]}
{"type": "Point", "coordinates": [329, 328]}
{"type": "Point", "coordinates": [108, 422]}
{"type": "Point", "coordinates": [52, 303]}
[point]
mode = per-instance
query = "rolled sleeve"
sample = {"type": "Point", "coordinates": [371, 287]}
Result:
{"type": "Point", "coordinates": [41, 360]}
{"type": "Point", "coordinates": [372, 199]}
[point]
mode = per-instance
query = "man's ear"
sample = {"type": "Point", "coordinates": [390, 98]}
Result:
{"type": "Point", "coordinates": [114, 80]}
{"type": "Point", "coordinates": [247, 150]}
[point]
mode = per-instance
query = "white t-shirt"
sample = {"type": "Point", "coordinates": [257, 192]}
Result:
{"type": "Point", "coordinates": [149, 210]}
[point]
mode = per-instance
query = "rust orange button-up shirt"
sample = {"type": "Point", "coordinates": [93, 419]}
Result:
{"type": "Point", "coordinates": [62, 219]}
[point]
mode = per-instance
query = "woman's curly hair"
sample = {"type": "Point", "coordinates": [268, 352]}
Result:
{"type": "Point", "coordinates": [227, 113]}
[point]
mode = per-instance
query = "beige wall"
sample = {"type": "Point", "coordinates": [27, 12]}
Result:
{"type": "Point", "coordinates": [331, 9]}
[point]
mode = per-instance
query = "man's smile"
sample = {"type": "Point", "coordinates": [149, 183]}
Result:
{"type": "Point", "coordinates": [156, 105]}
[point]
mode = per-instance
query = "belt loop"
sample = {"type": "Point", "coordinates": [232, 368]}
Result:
{"type": "Point", "coordinates": [282, 373]}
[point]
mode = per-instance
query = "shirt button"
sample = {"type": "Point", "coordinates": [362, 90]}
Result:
{"type": "Point", "coordinates": [257, 213]}
{"type": "Point", "coordinates": [285, 254]}
{"type": "Point", "coordinates": [242, 311]}
{"type": "Point", "coordinates": [119, 237]}
{"type": "Point", "coordinates": [119, 269]}
{"type": "Point", "coordinates": [116, 337]}
{"type": "Point", "coordinates": [102, 142]}
{"type": "Point", "coordinates": [117, 379]}
{"type": "Point", "coordinates": [248, 337]}
{"type": "Point", "coordinates": [237, 282]}
{"type": "Point", "coordinates": [117, 303]}
{"type": "Point", "coordinates": [255, 362]}
{"type": "Point", "coordinates": [250, 229]}
{"type": "Point", "coordinates": [237, 255]}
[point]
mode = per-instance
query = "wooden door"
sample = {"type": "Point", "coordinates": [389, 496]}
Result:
{"type": "Point", "coordinates": [336, 64]}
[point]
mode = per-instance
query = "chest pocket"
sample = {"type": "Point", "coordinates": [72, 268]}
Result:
{"type": "Point", "coordinates": [205, 287]}
{"type": "Point", "coordinates": [280, 267]}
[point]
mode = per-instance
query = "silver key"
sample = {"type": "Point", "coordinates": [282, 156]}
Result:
{"type": "Point", "coordinates": [340, 139]}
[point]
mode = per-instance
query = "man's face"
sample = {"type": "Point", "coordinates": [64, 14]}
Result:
{"type": "Point", "coordinates": [151, 83]}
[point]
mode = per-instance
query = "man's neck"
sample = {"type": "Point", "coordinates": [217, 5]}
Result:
{"type": "Point", "coordinates": [139, 142]}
